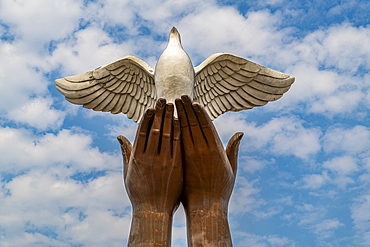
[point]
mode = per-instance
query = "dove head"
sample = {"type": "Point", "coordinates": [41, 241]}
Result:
{"type": "Point", "coordinates": [175, 36]}
{"type": "Point", "coordinates": [174, 72]}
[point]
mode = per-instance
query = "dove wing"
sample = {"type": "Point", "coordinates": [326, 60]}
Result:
{"type": "Point", "coordinates": [224, 82]}
{"type": "Point", "coordinates": [126, 85]}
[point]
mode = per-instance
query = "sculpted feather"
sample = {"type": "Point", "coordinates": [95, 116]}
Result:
{"type": "Point", "coordinates": [223, 82]}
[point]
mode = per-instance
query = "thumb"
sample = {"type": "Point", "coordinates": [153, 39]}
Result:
{"type": "Point", "coordinates": [232, 150]}
{"type": "Point", "coordinates": [126, 148]}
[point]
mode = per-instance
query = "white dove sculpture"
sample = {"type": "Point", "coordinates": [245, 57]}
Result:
{"type": "Point", "coordinates": [222, 83]}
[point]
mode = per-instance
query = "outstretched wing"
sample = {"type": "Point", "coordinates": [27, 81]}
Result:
{"type": "Point", "coordinates": [224, 82]}
{"type": "Point", "coordinates": [126, 85]}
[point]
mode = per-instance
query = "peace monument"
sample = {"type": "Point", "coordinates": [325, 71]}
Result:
{"type": "Point", "coordinates": [177, 155]}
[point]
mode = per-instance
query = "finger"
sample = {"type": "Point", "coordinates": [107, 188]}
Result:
{"type": "Point", "coordinates": [154, 135]}
{"type": "Point", "coordinates": [167, 131]}
{"type": "Point", "coordinates": [206, 124]}
{"type": "Point", "coordinates": [126, 148]}
{"type": "Point", "coordinates": [232, 150]}
{"type": "Point", "coordinates": [184, 124]}
{"type": "Point", "coordinates": [143, 131]}
{"type": "Point", "coordinates": [176, 138]}
{"type": "Point", "coordinates": [195, 130]}
{"type": "Point", "coordinates": [193, 121]}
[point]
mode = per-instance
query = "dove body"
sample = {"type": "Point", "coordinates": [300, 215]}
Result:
{"type": "Point", "coordinates": [174, 72]}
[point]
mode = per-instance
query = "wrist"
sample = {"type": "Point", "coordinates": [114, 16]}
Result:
{"type": "Point", "coordinates": [150, 228]}
{"type": "Point", "coordinates": [199, 213]}
{"type": "Point", "coordinates": [208, 226]}
{"type": "Point", "coordinates": [205, 203]}
{"type": "Point", "coordinates": [148, 207]}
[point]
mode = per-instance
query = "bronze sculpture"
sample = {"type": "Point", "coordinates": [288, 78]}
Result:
{"type": "Point", "coordinates": [177, 160]}
{"type": "Point", "coordinates": [158, 175]}
{"type": "Point", "coordinates": [153, 176]}
{"type": "Point", "coordinates": [221, 83]}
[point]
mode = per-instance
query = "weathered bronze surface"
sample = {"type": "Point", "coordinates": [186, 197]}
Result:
{"type": "Point", "coordinates": [160, 171]}
{"type": "Point", "coordinates": [153, 176]}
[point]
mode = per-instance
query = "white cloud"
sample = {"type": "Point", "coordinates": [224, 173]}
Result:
{"type": "Point", "coordinates": [24, 95]}
{"type": "Point", "coordinates": [331, 194]}
{"type": "Point", "coordinates": [322, 91]}
{"type": "Point", "coordinates": [20, 150]}
{"type": "Point", "coordinates": [284, 201]}
{"type": "Point", "coordinates": [310, 214]}
{"type": "Point", "coordinates": [294, 139]}
{"type": "Point", "coordinates": [126, 127]}
{"type": "Point", "coordinates": [283, 136]}
{"type": "Point", "coordinates": [111, 12]}
{"type": "Point", "coordinates": [254, 240]}
{"type": "Point", "coordinates": [268, 208]}
{"type": "Point", "coordinates": [39, 22]}
{"type": "Point", "coordinates": [224, 29]}
{"type": "Point", "coordinates": [315, 181]}
{"type": "Point", "coordinates": [338, 48]}
{"type": "Point", "coordinates": [46, 205]}
{"type": "Point", "coordinates": [268, 213]}
{"type": "Point", "coordinates": [38, 113]}
{"type": "Point", "coordinates": [338, 9]}
{"type": "Point", "coordinates": [326, 227]}
{"type": "Point", "coordinates": [339, 103]}
{"type": "Point", "coordinates": [330, 66]}
{"type": "Point", "coordinates": [345, 165]}
{"type": "Point", "coordinates": [342, 168]}
{"type": "Point", "coordinates": [360, 213]}
{"type": "Point", "coordinates": [88, 49]}
{"type": "Point", "coordinates": [73, 211]}
{"type": "Point", "coordinates": [252, 164]}
{"type": "Point", "coordinates": [156, 15]}
{"type": "Point", "coordinates": [313, 218]}
{"type": "Point", "coordinates": [346, 47]}
{"type": "Point", "coordinates": [352, 141]}
{"type": "Point", "coordinates": [20, 77]}
{"type": "Point", "coordinates": [245, 197]}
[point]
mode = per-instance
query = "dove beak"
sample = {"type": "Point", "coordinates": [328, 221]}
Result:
{"type": "Point", "coordinates": [174, 30]}
{"type": "Point", "coordinates": [174, 34]}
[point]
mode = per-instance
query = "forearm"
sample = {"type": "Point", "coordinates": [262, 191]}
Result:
{"type": "Point", "coordinates": [208, 226]}
{"type": "Point", "coordinates": [150, 228]}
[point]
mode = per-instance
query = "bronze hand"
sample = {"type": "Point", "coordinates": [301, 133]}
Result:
{"type": "Point", "coordinates": [153, 176]}
{"type": "Point", "coordinates": [209, 176]}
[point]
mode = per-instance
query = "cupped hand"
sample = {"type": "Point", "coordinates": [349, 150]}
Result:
{"type": "Point", "coordinates": [209, 170]}
{"type": "Point", "coordinates": [153, 171]}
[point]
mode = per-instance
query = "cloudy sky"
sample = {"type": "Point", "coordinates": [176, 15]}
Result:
{"type": "Point", "coordinates": [304, 165]}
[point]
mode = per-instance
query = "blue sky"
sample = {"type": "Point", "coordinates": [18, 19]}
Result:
{"type": "Point", "coordinates": [304, 165]}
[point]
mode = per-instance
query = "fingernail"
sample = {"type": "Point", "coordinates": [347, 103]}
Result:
{"type": "Point", "coordinates": [150, 112]}
{"type": "Point", "coordinates": [196, 107]}
{"type": "Point", "coordinates": [161, 103]}
{"type": "Point", "coordinates": [240, 136]}
{"type": "Point", "coordinates": [185, 98]}
{"type": "Point", "coordinates": [119, 140]}
{"type": "Point", "coordinates": [176, 123]}
{"type": "Point", "coordinates": [169, 107]}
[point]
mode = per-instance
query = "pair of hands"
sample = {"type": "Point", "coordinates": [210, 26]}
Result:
{"type": "Point", "coordinates": [179, 160]}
